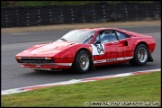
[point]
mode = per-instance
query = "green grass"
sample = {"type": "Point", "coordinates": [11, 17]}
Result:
{"type": "Point", "coordinates": [137, 88]}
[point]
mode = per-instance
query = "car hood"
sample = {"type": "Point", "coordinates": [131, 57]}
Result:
{"type": "Point", "coordinates": [49, 48]}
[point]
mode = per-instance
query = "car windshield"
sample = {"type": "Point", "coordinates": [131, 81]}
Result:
{"type": "Point", "coordinates": [79, 36]}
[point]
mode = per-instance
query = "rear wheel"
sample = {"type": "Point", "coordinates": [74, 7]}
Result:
{"type": "Point", "coordinates": [140, 56]}
{"type": "Point", "coordinates": [81, 63]}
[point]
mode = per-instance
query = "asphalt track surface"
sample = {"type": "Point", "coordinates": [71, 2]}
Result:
{"type": "Point", "coordinates": [13, 76]}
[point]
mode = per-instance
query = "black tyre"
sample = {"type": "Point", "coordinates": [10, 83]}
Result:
{"type": "Point", "coordinates": [81, 63]}
{"type": "Point", "coordinates": [140, 55]}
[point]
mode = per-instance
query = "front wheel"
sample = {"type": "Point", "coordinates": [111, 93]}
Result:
{"type": "Point", "coordinates": [81, 63]}
{"type": "Point", "coordinates": [140, 55]}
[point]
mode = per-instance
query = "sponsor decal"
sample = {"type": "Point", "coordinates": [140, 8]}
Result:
{"type": "Point", "coordinates": [112, 59]}
{"type": "Point", "coordinates": [99, 61]}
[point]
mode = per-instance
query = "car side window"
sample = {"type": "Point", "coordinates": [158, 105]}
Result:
{"type": "Point", "coordinates": [108, 36]}
{"type": "Point", "coordinates": [120, 35]}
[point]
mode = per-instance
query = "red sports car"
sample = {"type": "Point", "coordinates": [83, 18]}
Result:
{"type": "Point", "coordinates": [83, 49]}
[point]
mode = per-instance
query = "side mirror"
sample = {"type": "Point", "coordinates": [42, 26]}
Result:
{"type": "Point", "coordinates": [98, 42]}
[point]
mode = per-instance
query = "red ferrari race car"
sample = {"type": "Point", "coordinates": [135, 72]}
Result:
{"type": "Point", "coordinates": [83, 49]}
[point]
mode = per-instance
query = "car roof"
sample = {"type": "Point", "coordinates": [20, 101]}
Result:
{"type": "Point", "coordinates": [98, 29]}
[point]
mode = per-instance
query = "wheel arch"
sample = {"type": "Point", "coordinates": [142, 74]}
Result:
{"type": "Point", "coordinates": [150, 58]}
{"type": "Point", "coordinates": [90, 54]}
{"type": "Point", "coordinates": [85, 49]}
{"type": "Point", "coordinates": [142, 42]}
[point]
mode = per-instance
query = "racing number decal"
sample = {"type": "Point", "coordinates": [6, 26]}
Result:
{"type": "Point", "coordinates": [97, 49]}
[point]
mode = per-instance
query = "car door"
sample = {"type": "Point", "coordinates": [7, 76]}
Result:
{"type": "Point", "coordinates": [124, 46]}
{"type": "Point", "coordinates": [110, 48]}
{"type": "Point", "coordinates": [112, 45]}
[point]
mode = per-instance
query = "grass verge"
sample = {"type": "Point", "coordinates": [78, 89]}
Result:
{"type": "Point", "coordinates": [78, 26]}
{"type": "Point", "coordinates": [142, 90]}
